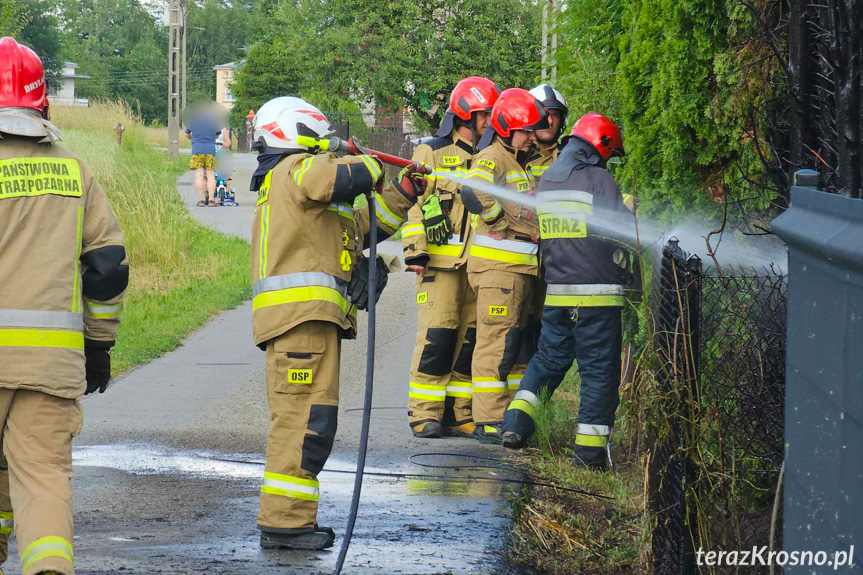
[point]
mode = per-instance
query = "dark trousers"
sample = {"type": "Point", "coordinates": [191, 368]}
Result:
{"type": "Point", "coordinates": [591, 336]}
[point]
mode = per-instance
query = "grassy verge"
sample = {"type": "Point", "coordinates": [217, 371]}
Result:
{"type": "Point", "coordinates": [562, 533]}
{"type": "Point", "coordinates": [181, 272]}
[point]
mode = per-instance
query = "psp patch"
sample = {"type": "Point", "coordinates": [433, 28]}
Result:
{"type": "Point", "coordinates": [497, 310]}
{"type": "Point", "coordinates": [300, 376]}
{"type": "Point", "coordinates": [423, 297]}
{"type": "Point", "coordinates": [451, 161]}
{"type": "Point", "coordinates": [486, 163]}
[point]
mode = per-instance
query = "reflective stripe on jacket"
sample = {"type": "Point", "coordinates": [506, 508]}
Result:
{"type": "Point", "coordinates": [305, 245]}
{"type": "Point", "coordinates": [57, 236]}
{"type": "Point", "coordinates": [517, 252]}
{"type": "Point", "coordinates": [578, 256]}
{"type": "Point", "coordinates": [447, 156]}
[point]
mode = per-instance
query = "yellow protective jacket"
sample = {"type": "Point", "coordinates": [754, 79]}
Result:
{"type": "Point", "coordinates": [540, 159]}
{"type": "Point", "coordinates": [499, 164]}
{"type": "Point", "coordinates": [450, 155]}
{"type": "Point", "coordinates": [63, 268]}
{"type": "Point", "coordinates": [307, 238]}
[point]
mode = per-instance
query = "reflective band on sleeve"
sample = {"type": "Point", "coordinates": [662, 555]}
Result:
{"type": "Point", "coordinates": [521, 405]}
{"type": "Point", "coordinates": [591, 440]}
{"type": "Point", "coordinates": [304, 167]}
{"type": "Point", "coordinates": [427, 392]}
{"type": "Point", "coordinates": [102, 311]}
{"type": "Point", "coordinates": [7, 522]}
{"type": "Point", "coordinates": [590, 429]}
{"type": "Point", "coordinates": [509, 251]}
{"type": "Point", "coordinates": [538, 171]}
{"type": "Point", "coordinates": [459, 389]}
{"type": "Point", "coordinates": [488, 385]}
{"type": "Point", "coordinates": [482, 174]}
{"type": "Point", "coordinates": [265, 232]}
{"type": "Point", "coordinates": [41, 319]}
{"type": "Point", "coordinates": [385, 214]}
{"type": "Point", "coordinates": [46, 547]}
{"type": "Point", "coordinates": [493, 212]}
{"type": "Point", "coordinates": [344, 210]}
{"type": "Point", "coordinates": [372, 165]}
{"type": "Point", "coordinates": [28, 177]}
{"type": "Point", "coordinates": [413, 230]}
{"type": "Point", "coordinates": [41, 338]}
{"type": "Point", "coordinates": [527, 396]}
{"type": "Point", "coordinates": [293, 487]}
{"type": "Point", "coordinates": [76, 279]}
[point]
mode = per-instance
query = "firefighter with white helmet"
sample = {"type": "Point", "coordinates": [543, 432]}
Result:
{"type": "Point", "coordinates": [308, 278]}
{"type": "Point", "coordinates": [547, 145]}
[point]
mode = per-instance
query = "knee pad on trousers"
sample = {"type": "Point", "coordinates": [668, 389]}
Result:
{"type": "Point", "coordinates": [465, 356]}
{"type": "Point", "coordinates": [512, 347]}
{"type": "Point", "coordinates": [323, 420]}
{"type": "Point", "coordinates": [520, 422]}
{"type": "Point", "coordinates": [437, 353]}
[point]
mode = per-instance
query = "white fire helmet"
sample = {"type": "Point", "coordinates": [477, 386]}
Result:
{"type": "Point", "coordinates": [551, 99]}
{"type": "Point", "coordinates": [279, 122]}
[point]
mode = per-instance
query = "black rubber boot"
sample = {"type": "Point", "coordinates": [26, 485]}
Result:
{"type": "Point", "coordinates": [428, 430]}
{"type": "Point", "coordinates": [596, 459]}
{"type": "Point", "coordinates": [488, 434]}
{"type": "Point", "coordinates": [306, 540]}
{"type": "Point", "coordinates": [328, 530]}
{"type": "Point", "coordinates": [513, 440]}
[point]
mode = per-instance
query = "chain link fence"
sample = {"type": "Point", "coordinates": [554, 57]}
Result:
{"type": "Point", "coordinates": [716, 457]}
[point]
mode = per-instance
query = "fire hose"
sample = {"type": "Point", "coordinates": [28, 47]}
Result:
{"type": "Point", "coordinates": [352, 147]}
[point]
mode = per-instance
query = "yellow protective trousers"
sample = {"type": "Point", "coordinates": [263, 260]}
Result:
{"type": "Point", "coordinates": [446, 333]}
{"type": "Point", "coordinates": [504, 304]}
{"type": "Point", "coordinates": [37, 431]}
{"type": "Point", "coordinates": [303, 395]}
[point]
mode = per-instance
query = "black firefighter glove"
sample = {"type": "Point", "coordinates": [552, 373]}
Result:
{"type": "Point", "coordinates": [358, 288]}
{"type": "Point", "coordinates": [438, 227]}
{"type": "Point", "coordinates": [97, 363]}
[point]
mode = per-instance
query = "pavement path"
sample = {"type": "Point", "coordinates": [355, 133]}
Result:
{"type": "Point", "coordinates": [168, 466]}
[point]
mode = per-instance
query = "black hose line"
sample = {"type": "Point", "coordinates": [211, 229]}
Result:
{"type": "Point", "coordinates": [370, 375]}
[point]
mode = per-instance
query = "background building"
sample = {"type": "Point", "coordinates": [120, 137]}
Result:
{"type": "Point", "coordinates": [224, 77]}
{"type": "Point", "coordinates": [61, 92]}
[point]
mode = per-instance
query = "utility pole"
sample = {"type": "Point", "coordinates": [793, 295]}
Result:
{"type": "Point", "coordinates": [174, 20]}
{"type": "Point", "coordinates": [549, 6]}
{"type": "Point", "coordinates": [183, 23]}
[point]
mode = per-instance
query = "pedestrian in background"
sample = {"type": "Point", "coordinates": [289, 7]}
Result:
{"type": "Point", "coordinates": [205, 122]}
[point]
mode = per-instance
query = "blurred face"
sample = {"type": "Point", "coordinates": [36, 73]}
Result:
{"type": "Point", "coordinates": [522, 140]}
{"type": "Point", "coordinates": [481, 123]}
{"type": "Point", "coordinates": [550, 135]}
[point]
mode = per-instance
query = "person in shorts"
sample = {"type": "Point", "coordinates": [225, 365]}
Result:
{"type": "Point", "coordinates": [203, 129]}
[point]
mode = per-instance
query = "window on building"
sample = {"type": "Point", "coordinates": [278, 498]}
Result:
{"type": "Point", "coordinates": [228, 96]}
{"type": "Point", "coordinates": [225, 74]}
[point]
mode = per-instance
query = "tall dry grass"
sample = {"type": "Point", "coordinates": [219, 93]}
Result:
{"type": "Point", "coordinates": [181, 271]}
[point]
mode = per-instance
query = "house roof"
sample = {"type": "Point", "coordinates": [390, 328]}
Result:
{"type": "Point", "coordinates": [228, 66]}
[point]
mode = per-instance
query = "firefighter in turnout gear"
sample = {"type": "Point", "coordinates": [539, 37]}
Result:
{"type": "Point", "coordinates": [436, 240]}
{"type": "Point", "coordinates": [584, 226]}
{"type": "Point", "coordinates": [547, 145]}
{"type": "Point", "coordinates": [503, 264]}
{"type": "Point", "coordinates": [63, 271]}
{"type": "Point", "coordinates": [543, 154]}
{"type": "Point", "coordinates": [307, 275]}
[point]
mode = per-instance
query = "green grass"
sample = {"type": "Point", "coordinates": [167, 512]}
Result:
{"type": "Point", "coordinates": [182, 272]}
{"type": "Point", "coordinates": [562, 533]}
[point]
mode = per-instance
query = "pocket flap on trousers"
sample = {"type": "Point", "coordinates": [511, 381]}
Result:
{"type": "Point", "coordinates": [305, 343]}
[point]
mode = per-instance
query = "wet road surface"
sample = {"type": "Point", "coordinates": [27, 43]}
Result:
{"type": "Point", "coordinates": [168, 466]}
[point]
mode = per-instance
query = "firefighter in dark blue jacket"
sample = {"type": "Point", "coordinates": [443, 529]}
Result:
{"type": "Point", "coordinates": [584, 228]}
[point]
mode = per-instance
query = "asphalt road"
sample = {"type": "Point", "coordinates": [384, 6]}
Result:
{"type": "Point", "coordinates": [168, 466]}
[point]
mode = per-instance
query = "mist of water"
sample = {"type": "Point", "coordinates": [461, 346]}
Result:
{"type": "Point", "coordinates": [733, 249]}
